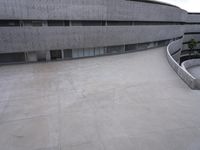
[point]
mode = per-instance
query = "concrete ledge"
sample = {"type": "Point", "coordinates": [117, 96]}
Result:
{"type": "Point", "coordinates": [190, 63]}
{"type": "Point", "coordinates": [181, 71]}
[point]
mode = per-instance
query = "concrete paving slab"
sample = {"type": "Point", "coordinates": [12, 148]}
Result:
{"type": "Point", "coordinates": [130, 101]}
{"type": "Point", "coordinates": [33, 134]}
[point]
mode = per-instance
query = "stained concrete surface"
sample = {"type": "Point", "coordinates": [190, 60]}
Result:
{"type": "Point", "coordinates": [195, 71]}
{"type": "Point", "coordinates": [132, 101]}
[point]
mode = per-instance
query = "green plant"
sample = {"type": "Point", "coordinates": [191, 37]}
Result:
{"type": "Point", "coordinates": [198, 52]}
{"type": "Point", "coordinates": [191, 45]}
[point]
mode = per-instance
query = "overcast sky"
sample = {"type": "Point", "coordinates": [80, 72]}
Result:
{"type": "Point", "coordinates": [189, 5]}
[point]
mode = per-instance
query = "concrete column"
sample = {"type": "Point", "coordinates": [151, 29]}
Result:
{"type": "Point", "coordinates": [48, 56]}
{"type": "Point", "coordinates": [31, 57]}
{"type": "Point", "coordinates": [62, 53]}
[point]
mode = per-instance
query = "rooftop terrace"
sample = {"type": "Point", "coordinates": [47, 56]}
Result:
{"type": "Point", "coordinates": [132, 101]}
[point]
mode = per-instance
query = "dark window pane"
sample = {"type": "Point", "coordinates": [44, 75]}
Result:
{"type": "Point", "coordinates": [119, 23]}
{"type": "Point", "coordinates": [68, 54]}
{"type": "Point", "coordinates": [115, 49]}
{"type": "Point", "coordinates": [32, 23]}
{"type": "Point", "coordinates": [55, 23]}
{"type": "Point", "coordinates": [12, 57]}
{"type": "Point", "coordinates": [5, 23]}
{"type": "Point", "coordinates": [88, 23]}
{"type": "Point", "coordinates": [66, 23]}
{"type": "Point", "coordinates": [130, 47]}
{"type": "Point", "coordinates": [56, 54]}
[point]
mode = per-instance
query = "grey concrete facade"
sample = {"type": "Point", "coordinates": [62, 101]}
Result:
{"type": "Point", "coordinates": [32, 39]}
{"type": "Point", "coordinates": [133, 101]}
{"type": "Point", "coordinates": [112, 27]}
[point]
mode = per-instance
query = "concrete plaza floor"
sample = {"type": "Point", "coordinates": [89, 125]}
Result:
{"type": "Point", "coordinates": [195, 71]}
{"type": "Point", "coordinates": [132, 101]}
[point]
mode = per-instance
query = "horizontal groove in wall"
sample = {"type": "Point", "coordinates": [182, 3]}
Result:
{"type": "Point", "coordinates": [193, 13]}
{"type": "Point", "coordinates": [192, 23]}
{"type": "Point", "coordinates": [40, 23]}
{"type": "Point", "coordinates": [184, 43]}
{"type": "Point", "coordinates": [174, 53]}
{"type": "Point", "coordinates": [191, 33]}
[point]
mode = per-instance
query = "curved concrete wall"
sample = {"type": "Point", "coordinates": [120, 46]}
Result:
{"type": "Point", "coordinates": [190, 63]}
{"type": "Point", "coordinates": [130, 28]}
{"type": "Point", "coordinates": [32, 40]}
{"type": "Point", "coordinates": [182, 72]}
{"type": "Point", "coordinates": [46, 38]}
{"type": "Point", "coordinates": [88, 10]}
{"type": "Point", "coordinates": [20, 39]}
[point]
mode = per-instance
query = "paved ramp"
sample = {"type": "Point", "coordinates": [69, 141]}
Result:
{"type": "Point", "coordinates": [132, 101]}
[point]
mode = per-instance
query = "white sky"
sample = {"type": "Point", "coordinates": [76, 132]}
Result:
{"type": "Point", "coordinates": [189, 5]}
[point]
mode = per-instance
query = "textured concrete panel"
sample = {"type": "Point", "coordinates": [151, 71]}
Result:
{"type": "Point", "coordinates": [88, 10]}
{"type": "Point", "coordinates": [47, 38]}
{"type": "Point", "coordinates": [193, 17]}
{"type": "Point", "coordinates": [21, 39]}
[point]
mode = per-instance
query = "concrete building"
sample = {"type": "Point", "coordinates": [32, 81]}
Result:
{"type": "Point", "coordinates": [133, 101]}
{"type": "Point", "coordinates": [32, 30]}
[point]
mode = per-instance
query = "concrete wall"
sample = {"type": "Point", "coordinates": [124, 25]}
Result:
{"type": "Point", "coordinates": [180, 70]}
{"type": "Point", "coordinates": [193, 17]}
{"type": "Point", "coordinates": [88, 10]}
{"type": "Point", "coordinates": [36, 41]}
{"type": "Point", "coordinates": [17, 39]}
{"type": "Point", "coordinates": [192, 30]}
{"type": "Point", "coordinates": [190, 63]}
{"type": "Point", "coordinates": [47, 38]}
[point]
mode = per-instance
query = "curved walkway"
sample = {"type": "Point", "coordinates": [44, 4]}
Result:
{"type": "Point", "coordinates": [133, 101]}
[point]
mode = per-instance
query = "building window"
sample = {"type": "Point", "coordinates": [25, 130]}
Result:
{"type": "Point", "coordinates": [56, 23]}
{"type": "Point", "coordinates": [77, 53]}
{"type": "Point", "coordinates": [115, 49]}
{"type": "Point", "coordinates": [68, 53]}
{"type": "Point", "coordinates": [99, 51]}
{"type": "Point", "coordinates": [36, 23]}
{"type": "Point", "coordinates": [130, 47]}
{"type": "Point", "coordinates": [66, 23]}
{"type": "Point", "coordinates": [12, 57]}
{"type": "Point", "coordinates": [7, 23]}
{"type": "Point", "coordinates": [88, 23]}
{"type": "Point", "coordinates": [88, 52]}
{"type": "Point", "coordinates": [119, 23]}
{"type": "Point", "coordinates": [56, 54]}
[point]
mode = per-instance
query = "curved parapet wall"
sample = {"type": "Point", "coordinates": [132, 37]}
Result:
{"type": "Point", "coordinates": [192, 63]}
{"type": "Point", "coordinates": [173, 47]}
